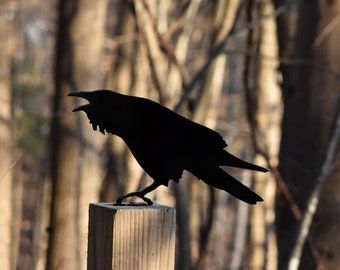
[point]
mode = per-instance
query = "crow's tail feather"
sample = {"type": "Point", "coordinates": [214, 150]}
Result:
{"type": "Point", "coordinates": [228, 159]}
{"type": "Point", "coordinates": [222, 180]}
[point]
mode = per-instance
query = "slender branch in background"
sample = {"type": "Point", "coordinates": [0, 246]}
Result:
{"type": "Point", "coordinates": [169, 50]}
{"type": "Point", "coordinates": [326, 31]}
{"type": "Point", "coordinates": [10, 167]}
{"type": "Point", "coordinates": [282, 187]}
{"type": "Point", "coordinates": [313, 201]}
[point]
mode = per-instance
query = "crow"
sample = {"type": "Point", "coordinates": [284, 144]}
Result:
{"type": "Point", "coordinates": [165, 143]}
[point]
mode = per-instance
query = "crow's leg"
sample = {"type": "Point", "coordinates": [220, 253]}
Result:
{"type": "Point", "coordinates": [141, 194]}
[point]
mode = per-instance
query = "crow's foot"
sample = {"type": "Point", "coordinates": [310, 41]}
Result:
{"type": "Point", "coordinates": [120, 199]}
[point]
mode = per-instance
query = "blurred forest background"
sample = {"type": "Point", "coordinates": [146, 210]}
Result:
{"type": "Point", "coordinates": [264, 73]}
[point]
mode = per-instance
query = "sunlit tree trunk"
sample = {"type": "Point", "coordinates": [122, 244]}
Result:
{"type": "Point", "coordinates": [265, 115]}
{"type": "Point", "coordinates": [7, 215]}
{"type": "Point", "coordinates": [75, 165]}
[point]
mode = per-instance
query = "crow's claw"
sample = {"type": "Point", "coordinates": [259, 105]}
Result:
{"type": "Point", "coordinates": [120, 199]}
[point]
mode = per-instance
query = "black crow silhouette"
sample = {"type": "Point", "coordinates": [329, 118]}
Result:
{"type": "Point", "coordinates": [165, 143]}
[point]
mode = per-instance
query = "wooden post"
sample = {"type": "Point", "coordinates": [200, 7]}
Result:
{"type": "Point", "coordinates": [131, 237]}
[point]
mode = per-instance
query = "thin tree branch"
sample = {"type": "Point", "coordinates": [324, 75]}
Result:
{"type": "Point", "coordinates": [325, 32]}
{"type": "Point", "coordinates": [10, 167]}
{"type": "Point", "coordinates": [169, 50]}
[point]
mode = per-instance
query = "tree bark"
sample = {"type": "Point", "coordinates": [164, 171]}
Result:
{"type": "Point", "coordinates": [7, 246]}
{"type": "Point", "coordinates": [75, 165]}
{"type": "Point", "coordinates": [265, 107]}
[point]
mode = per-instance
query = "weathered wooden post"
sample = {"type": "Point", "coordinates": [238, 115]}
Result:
{"type": "Point", "coordinates": [131, 237]}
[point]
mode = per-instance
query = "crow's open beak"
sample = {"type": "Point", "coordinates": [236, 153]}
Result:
{"type": "Point", "coordinates": [81, 108]}
{"type": "Point", "coordinates": [82, 94]}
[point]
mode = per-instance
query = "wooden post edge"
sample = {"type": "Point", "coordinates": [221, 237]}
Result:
{"type": "Point", "coordinates": [131, 237]}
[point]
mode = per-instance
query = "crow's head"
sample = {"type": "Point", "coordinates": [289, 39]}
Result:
{"type": "Point", "coordinates": [100, 107]}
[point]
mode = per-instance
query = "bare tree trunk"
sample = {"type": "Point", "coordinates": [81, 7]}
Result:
{"type": "Point", "coordinates": [265, 118]}
{"type": "Point", "coordinates": [7, 215]}
{"type": "Point", "coordinates": [75, 165]}
{"type": "Point", "coordinates": [311, 98]}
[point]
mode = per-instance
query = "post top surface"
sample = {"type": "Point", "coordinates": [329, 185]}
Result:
{"type": "Point", "coordinates": [129, 206]}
